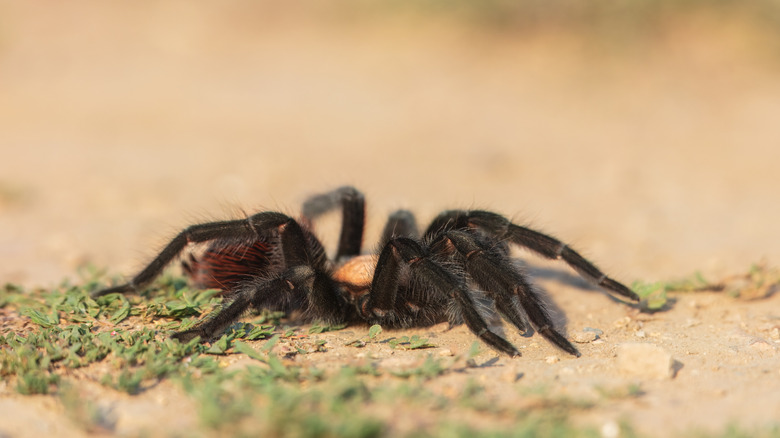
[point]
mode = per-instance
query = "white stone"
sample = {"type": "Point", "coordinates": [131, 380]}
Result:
{"type": "Point", "coordinates": [644, 360]}
{"type": "Point", "coordinates": [584, 337]}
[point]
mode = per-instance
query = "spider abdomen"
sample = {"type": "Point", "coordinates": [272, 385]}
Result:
{"type": "Point", "coordinates": [357, 273]}
{"type": "Point", "coordinates": [226, 266]}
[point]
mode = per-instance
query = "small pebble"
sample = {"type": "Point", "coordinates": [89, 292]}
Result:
{"type": "Point", "coordinates": [610, 429]}
{"type": "Point", "coordinates": [584, 337]}
{"type": "Point", "coordinates": [597, 331]}
{"type": "Point", "coordinates": [761, 345]}
{"type": "Point", "coordinates": [551, 359]}
{"type": "Point", "coordinates": [692, 322]}
{"type": "Point", "coordinates": [644, 360]}
{"type": "Point", "coordinates": [622, 322]}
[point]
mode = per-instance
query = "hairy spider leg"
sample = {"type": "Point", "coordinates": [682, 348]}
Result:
{"type": "Point", "coordinates": [281, 291]}
{"type": "Point", "coordinates": [546, 246]}
{"type": "Point", "coordinates": [404, 252]}
{"type": "Point", "coordinates": [300, 281]}
{"type": "Point", "coordinates": [224, 266]}
{"type": "Point", "coordinates": [400, 223]}
{"type": "Point", "coordinates": [497, 276]}
{"type": "Point", "coordinates": [353, 208]}
{"type": "Point", "coordinates": [240, 231]}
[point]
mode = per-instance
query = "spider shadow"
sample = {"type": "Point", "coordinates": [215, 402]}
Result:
{"type": "Point", "coordinates": [538, 273]}
{"type": "Point", "coordinates": [572, 279]}
{"type": "Point", "coordinates": [564, 276]}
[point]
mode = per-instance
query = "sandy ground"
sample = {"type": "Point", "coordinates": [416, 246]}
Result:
{"type": "Point", "coordinates": [119, 125]}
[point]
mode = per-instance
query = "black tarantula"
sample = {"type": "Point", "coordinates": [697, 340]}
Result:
{"type": "Point", "coordinates": [270, 260]}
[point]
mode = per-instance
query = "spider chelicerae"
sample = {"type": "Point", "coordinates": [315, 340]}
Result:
{"type": "Point", "coordinates": [459, 270]}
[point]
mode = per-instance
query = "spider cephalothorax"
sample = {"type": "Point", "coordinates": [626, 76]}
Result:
{"type": "Point", "coordinates": [458, 270]}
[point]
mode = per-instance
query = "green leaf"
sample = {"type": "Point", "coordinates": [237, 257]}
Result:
{"type": "Point", "coordinates": [356, 343]}
{"type": "Point", "coordinates": [259, 332]}
{"type": "Point", "coordinates": [219, 347]}
{"type": "Point", "coordinates": [315, 329]}
{"type": "Point", "coordinates": [244, 348]}
{"type": "Point", "coordinates": [474, 350]}
{"type": "Point", "coordinates": [395, 342]}
{"type": "Point", "coordinates": [122, 313]}
{"type": "Point", "coordinates": [40, 318]}
{"type": "Point", "coordinates": [417, 342]}
{"type": "Point", "coordinates": [374, 331]}
{"type": "Point", "coordinates": [270, 344]}
{"type": "Point", "coordinates": [35, 382]}
{"type": "Point", "coordinates": [276, 365]}
{"type": "Point", "coordinates": [653, 295]}
{"type": "Point", "coordinates": [408, 343]}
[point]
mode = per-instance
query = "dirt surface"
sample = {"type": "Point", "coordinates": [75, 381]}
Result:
{"type": "Point", "coordinates": [121, 124]}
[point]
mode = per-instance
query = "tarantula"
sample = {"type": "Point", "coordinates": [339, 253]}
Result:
{"type": "Point", "coordinates": [458, 271]}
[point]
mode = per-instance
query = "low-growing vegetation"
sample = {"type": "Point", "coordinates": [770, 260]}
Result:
{"type": "Point", "coordinates": [52, 340]}
{"type": "Point", "coordinates": [121, 343]}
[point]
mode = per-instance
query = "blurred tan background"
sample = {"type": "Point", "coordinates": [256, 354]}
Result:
{"type": "Point", "coordinates": [648, 136]}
